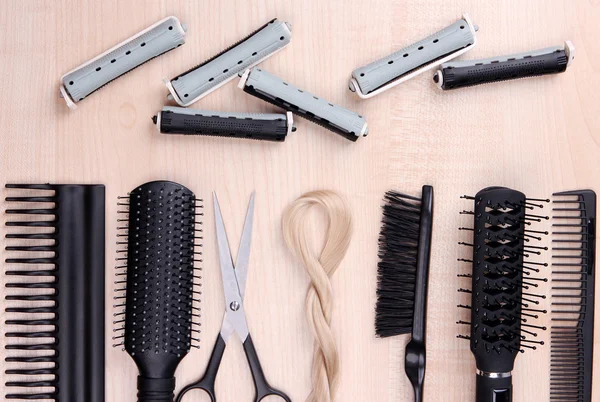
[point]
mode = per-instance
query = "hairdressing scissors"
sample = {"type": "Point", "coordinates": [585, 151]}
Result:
{"type": "Point", "coordinates": [234, 320]}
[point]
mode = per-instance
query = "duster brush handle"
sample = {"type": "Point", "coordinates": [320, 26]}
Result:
{"type": "Point", "coordinates": [414, 359]}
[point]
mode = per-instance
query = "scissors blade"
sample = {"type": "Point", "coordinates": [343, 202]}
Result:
{"type": "Point", "coordinates": [243, 257]}
{"type": "Point", "coordinates": [234, 304]}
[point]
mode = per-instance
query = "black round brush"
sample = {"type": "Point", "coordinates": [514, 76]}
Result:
{"type": "Point", "coordinates": [160, 284]}
{"type": "Point", "coordinates": [403, 271]}
{"type": "Point", "coordinates": [500, 295]}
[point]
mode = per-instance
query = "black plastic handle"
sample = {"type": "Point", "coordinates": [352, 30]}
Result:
{"type": "Point", "coordinates": [482, 73]}
{"type": "Point", "coordinates": [263, 389]}
{"type": "Point", "coordinates": [207, 382]}
{"type": "Point", "coordinates": [490, 389]}
{"type": "Point", "coordinates": [155, 389]}
{"type": "Point", "coordinates": [415, 356]}
{"type": "Point", "coordinates": [255, 128]}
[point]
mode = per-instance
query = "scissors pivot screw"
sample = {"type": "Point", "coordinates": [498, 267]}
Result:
{"type": "Point", "coordinates": [234, 306]}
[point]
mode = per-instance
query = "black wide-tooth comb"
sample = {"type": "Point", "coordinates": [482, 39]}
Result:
{"type": "Point", "coordinates": [573, 280]}
{"type": "Point", "coordinates": [501, 283]}
{"type": "Point", "coordinates": [55, 324]}
{"type": "Point", "coordinates": [403, 272]}
{"type": "Point", "coordinates": [158, 320]}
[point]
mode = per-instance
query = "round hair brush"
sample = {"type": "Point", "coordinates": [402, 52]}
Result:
{"type": "Point", "coordinates": [500, 296]}
{"type": "Point", "coordinates": [159, 292]}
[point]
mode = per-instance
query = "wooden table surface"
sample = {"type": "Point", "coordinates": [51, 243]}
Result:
{"type": "Point", "coordinates": [536, 135]}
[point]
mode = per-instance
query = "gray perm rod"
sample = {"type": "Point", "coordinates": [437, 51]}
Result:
{"type": "Point", "coordinates": [404, 64]}
{"type": "Point", "coordinates": [159, 38]}
{"type": "Point", "coordinates": [215, 72]}
{"type": "Point", "coordinates": [274, 90]}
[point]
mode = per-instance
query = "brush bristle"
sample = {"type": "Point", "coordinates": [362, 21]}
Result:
{"type": "Point", "coordinates": [160, 272]}
{"type": "Point", "coordinates": [503, 301]}
{"type": "Point", "coordinates": [396, 271]}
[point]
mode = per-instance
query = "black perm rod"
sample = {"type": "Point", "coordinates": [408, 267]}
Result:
{"type": "Point", "coordinates": [255, 126]}
{"type": "Point", "coordinates": [466, 73]}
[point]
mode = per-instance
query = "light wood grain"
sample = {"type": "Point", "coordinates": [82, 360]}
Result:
{"type": "Point", "coordinates": [539, 135]}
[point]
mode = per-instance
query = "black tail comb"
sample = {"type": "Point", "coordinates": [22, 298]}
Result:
{"type": "Point", "coordinates": [573, 280]}
{"type": "Point", "coordinates": [55, 304]}
{"type": "Point", "coordinates": [157, 258]}
{"type": "Point", "coordinates": [503, 300]}
{"type": "Point", "coordinates": [403, 271]}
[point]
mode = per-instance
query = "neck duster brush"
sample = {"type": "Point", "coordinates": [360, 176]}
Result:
{"type": "Point", "coordinates": [403, 271]}
{"type": "Point", "coordinates": [501, 299]}
{"type": "Point", "coordinates": [159, 292]}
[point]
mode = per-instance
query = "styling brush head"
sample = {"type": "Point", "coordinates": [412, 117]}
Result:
{"type": "Point", "coordinates": [501, 298]}
{"type": "Point", "coordinates": [159, 291]}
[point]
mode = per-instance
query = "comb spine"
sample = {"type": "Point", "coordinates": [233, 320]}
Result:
{"type": "Point", "coordinates": [571, 370]}
{"type": "Point", "coordinates": [81, 293]}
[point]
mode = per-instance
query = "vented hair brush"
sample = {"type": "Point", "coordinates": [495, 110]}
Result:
{"type": "Point", "coordinates": [403, 271]}
{"type": "Point", "coordinates": [501, 293]}
{"type": "Point", "coordinates": [159, 293]}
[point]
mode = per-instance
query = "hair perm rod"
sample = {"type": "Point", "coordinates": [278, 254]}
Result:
{"type": "Point", "coordinates": [466, 73]}
{"type": "Point", "coordinates": [274, 90]}
{"type": "Point", "coordinates": [165, 35]}
{"type": "Point", "coordinates": [215, 72]}
{"type": "Point", "coordinates": [406, 63]}
{"type": "Point", "coordinates": [255, 126]}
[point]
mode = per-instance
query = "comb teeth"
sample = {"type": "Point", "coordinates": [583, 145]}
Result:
{"type": "Point", "coordinates": [502, 298]}
{"type": "Point", "coordinates": [31, 299]}
{"type": "Point", "coordinates": [157, 283]}
{"type": "Point", "coordinates": [573, 280]}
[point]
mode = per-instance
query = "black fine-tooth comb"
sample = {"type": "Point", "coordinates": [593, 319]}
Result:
{"type": "Point", "coordinates": [501, 282]}
{"type": "Point", "coordinates": [573, 280]}
{"type": "Point", "coordinates": [158, 319]}
{"type": "Point", "coordinates": [55, 309]}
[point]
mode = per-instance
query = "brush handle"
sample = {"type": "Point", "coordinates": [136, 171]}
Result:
{"type": "Point", "coordinates": [155, 389]}
{"type": "Point", "coordinates": [492, 389]}
{"type": "Point", "coordinates": [414, 366]}
{"type": "Point", "coordinates": [414, 359]}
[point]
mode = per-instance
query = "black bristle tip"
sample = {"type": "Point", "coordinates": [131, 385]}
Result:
{"type": "Point", "coordinates": [160, 276]}
{"type": "Point", "coordinates": [397, 268]}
